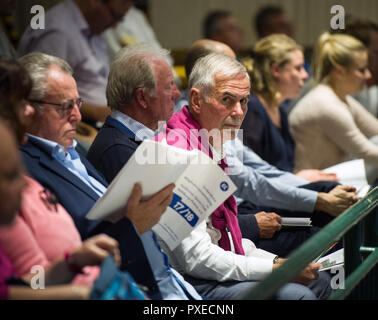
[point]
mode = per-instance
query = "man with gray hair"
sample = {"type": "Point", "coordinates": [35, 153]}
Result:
{"type": "Point", "coordinates": [141, 92]}
{"type": "Point", "coordinates": [214, 257]}
{"type": "Point", "coordinates": [51, 159]}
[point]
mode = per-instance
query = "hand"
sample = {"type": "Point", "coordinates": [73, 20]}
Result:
{"type": "Point", "coordinates": [145, 214]}
{"type": "Point", "coordinates": [337, 200]}
{"type": "Point", "coordinates": [313, 175]}
{"type": "Point", "coordinates": [94, 250]}
{"type": "Point", "coordinates": [269, 223]}
{"type": "Point", "coordinates": [306, 275]}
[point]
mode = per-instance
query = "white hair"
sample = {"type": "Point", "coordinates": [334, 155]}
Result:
{"type": "Point", "coordinates": [206, 68]}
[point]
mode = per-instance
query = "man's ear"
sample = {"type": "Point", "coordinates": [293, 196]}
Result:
{"type": "Point", "coordinates": [140, 97]}
{"type": "Point", "coordinates": [195, 100]}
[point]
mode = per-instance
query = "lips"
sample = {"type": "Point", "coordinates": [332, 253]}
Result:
{"type": "Point", "coordinates": [72, 131]}
{"type": "Point", "coordinates": [233, 126]}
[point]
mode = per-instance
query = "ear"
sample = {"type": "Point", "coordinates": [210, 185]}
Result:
{"type": "Point", "coordinates": [340, 70]}
{"type": "Point", "coordinates": [275, 70]}
{"type": "Point", "coordinates": [195, 100]}
{"type": "Point", "coordinates": [140, 98]}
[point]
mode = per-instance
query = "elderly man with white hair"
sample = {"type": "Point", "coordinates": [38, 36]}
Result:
{"type": "Point", "coordinates": [214, 257]}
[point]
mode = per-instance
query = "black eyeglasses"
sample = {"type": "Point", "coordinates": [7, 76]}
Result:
{"type": "Point", "coordinates": [64, 107]}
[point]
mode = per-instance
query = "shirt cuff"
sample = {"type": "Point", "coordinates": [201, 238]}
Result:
{"type": "Point", "coordinates": [249, 227]}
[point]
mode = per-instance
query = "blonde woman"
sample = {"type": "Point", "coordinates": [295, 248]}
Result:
{"type": "Point", "coordinates": [277, 73]}
{"type": "Point", "coordinates": [327, 124]}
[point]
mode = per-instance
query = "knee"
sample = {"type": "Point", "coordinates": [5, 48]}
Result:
{"type": "Point", "coordinates": [322, 286]}
{"type": "Point", "coordinates": [294, 291]}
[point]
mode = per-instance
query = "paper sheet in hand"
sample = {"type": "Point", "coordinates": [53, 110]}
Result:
{"type": "Point", "coordinates": [333, 260]}
{"type": "Point", "coordinates": [201, 186]}
{"type": "Point", "coordinates": [352, 173]}
{"type": "Point", "coordinates": [295, 222]}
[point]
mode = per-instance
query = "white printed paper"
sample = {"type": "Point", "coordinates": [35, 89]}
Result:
{"type": "Point", "coordinates": [352, 173]}
{"type": "Point", "coordinates": [333, 260]}
{"type": "Point", "coordinates": [295, 222]}
{"type": "Point", "coordinates": [201, 186]}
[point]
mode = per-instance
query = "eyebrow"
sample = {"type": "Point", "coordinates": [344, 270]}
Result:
{"type": "Point", "coordinates": [227, 93]}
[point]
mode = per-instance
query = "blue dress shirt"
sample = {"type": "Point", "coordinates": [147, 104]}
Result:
{"type": "Point", "coordinates": [263, 184]}
{"type": "Point", "coordinates": [71, 160]}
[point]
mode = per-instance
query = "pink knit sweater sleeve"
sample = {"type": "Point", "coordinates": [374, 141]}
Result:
{"type": "Point", "coordinates": [21, 247]}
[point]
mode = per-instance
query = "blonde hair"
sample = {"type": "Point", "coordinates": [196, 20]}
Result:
{"type": "Point", "coordinates": [268, 51]}
{"type": "Point", "coordinates": [333, 50]}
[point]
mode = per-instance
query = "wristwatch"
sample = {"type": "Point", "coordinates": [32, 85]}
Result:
{"type": "Point", "coordinates": [275, 259]}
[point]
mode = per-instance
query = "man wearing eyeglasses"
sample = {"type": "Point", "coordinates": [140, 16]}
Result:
{"type": "Point", "coordinates": [73, 33]}
{"type": "Point", "coordinates": [51, 159]}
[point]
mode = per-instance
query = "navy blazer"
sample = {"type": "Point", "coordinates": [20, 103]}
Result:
{"type": "Point", "coordinates": [78, 198]}
{"type": "Point", "coordinates": [116, 140]}
{"type": "Point", "coordinates": [71, 192]}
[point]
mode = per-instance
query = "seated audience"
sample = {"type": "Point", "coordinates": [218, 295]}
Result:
{"type": "Point", "coordinates": [214, 257]}
{"type": "Point", "coordinates": [264, 187]}
{"type": "Point", "coordinates": [278, 74]}
{"type": "Point", "coordinates": [73, 179]}
{"type": "Point", "coordinates": [52, 160]}
{"type": "Point", "coordinates": [139, 98]}
{"type": "Point", "coordinates": [327, 124]}
{"type": "Point", "coordinates": [73, 33]}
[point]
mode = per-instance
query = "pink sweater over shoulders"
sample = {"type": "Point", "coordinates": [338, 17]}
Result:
{"type": "Point", "coordinates": [183, 131]}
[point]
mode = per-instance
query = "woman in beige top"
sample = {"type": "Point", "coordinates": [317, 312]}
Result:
{"type": "Point", "coordinates": [328, 124]}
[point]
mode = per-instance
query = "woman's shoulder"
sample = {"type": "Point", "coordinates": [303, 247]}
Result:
{"type": "Point", "coordinates": [320, 98]}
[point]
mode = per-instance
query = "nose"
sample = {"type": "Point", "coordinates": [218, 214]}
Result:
{"type": "Point", "coordinates": [238, 111]}
{"type": "Point", "coordinates": [75, 113]}
{"type": "Point", "coordinates": [304, 74]}
{"type": "Point", "coordinates": [367, 74]}
{"type": "Point", "coordinates": [176, 92]}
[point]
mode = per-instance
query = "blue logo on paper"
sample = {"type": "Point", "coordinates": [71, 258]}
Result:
{"type": "Point", "coordinates": [224, 186]}
{"type": "Point", "coordinates": [183, 210]}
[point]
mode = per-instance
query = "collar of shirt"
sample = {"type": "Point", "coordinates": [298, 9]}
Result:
{"type": "Point", "coordinates": [53, 148]}
{"type": "Point", "coordinates": [70, 160]}
{"type": "Point", "coordinates": [218, 155]}
{"type": "Point", "coordinates": [140, 130]}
